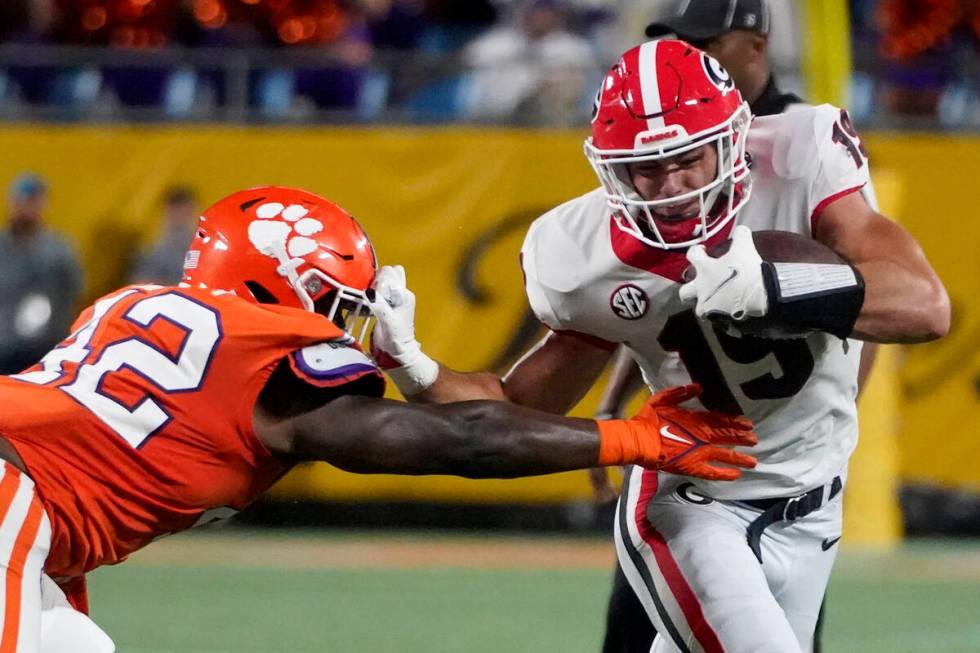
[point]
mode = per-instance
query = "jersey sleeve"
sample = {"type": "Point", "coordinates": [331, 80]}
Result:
{"type": "Point", "coordinates": [840, 165]}
{"type": "Point", "coordinates": [332, 363]}
{"type": "Point", "coordinates": [537, 292]}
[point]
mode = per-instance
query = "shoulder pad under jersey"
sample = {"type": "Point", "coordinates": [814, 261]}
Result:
{"type": "Point", "coordinates": [841, 160]}
{"type": "Point", "coordinates": [553, 256]}
{"type": "Point", "coordinates": [787, 140]}
{"type": "Point", "coordinates": [332, 363]}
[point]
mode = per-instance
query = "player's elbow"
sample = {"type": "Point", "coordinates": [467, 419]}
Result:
{"type": "Point", "coordinates": [940, 322]}
{"type": "Point", "coordinates": [924, 315]}
{"type": "Point", "coordinates": [936, 312]}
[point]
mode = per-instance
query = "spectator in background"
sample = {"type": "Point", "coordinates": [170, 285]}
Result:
{"type": "Point", "coordinates": [163, 262]}
{"type": "Point", "coordinates": [453, 23]}
{"type": "Point", "coordinates": [532, 70]}
{"type": "Point", "coordinates": [40, 279]}
{"type": "Point", "coordinates": [930, 57]}
{"type": "Point", "coordinates": [25, 21]}
{"type": "Point", "coordinates": [396, 24]}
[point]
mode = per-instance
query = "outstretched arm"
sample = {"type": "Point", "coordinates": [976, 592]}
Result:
{"type": "Point", "coordinates": [476, 439]}
{"type": "Point", "coordinates": [492, 439]}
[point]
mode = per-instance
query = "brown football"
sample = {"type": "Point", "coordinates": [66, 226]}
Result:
{"type": "Point", "coordinates": [785, 247]}
{"type": "Point", "coordinates": [776, 247]}
{"type": "Point", "coordinates": [780, 247]}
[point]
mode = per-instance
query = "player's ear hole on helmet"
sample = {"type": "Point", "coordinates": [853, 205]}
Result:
{"type": "Point", "coordinates": [261, 294]}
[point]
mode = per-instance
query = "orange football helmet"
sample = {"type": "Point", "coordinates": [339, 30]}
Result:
{"type": "Point", "coordinates": [286, 246]}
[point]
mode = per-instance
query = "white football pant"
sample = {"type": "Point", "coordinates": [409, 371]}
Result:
{"type": "Point", "coordinates": [687, 559]}
{"type": "Point", "coordinates": [35, 614]}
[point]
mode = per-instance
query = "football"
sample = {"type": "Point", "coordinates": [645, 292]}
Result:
{"type": "Point", "coordinates": [774, 247]}
{"type": "Point", "coordinates": [785, 247]}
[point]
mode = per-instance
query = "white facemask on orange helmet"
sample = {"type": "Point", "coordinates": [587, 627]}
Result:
{"type": "Point", "coordinates": [276, 245]}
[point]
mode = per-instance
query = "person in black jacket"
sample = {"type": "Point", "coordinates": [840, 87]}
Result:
{"type": "Point", "coordinates": [736, 33]}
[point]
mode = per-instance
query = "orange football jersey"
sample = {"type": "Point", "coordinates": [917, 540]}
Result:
{"type": "Point", "coordinates": [139, 424]}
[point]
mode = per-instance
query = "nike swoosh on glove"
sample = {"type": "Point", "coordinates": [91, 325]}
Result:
{"type": "Point", "coordinates": [729, 286]}
{"type": "Point", "coordinates": [666, 437]}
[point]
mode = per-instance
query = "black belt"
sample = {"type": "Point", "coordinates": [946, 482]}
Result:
{"type": "Point", "coordinates": [786, 509]}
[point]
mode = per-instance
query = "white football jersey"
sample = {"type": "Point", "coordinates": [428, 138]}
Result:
{"type": "Point", "coordinates": [586, 275]}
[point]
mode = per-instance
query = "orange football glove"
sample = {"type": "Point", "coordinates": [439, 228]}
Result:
{"type": "Point", "coordinates": [666, 437]}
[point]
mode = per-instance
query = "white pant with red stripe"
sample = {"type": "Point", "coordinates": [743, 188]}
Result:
{"type": "Point", "coordinates": [36, 616]}
{"type": "Point", "coordinates": [688, 561]}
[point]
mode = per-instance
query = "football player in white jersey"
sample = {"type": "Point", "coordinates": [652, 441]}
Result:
{"type": "Point", "coordinates": [742, 565]}
{"type": "Point", "coordinates": [738, 34]}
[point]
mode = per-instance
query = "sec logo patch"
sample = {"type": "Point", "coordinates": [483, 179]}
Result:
{"type": "Point", "coordinates": [629, 302]}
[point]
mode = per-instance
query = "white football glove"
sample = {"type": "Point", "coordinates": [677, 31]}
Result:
{"type": "Point", "coordinates": [393, 342]}
{"type": "Point", "coordinates": [729, 286]}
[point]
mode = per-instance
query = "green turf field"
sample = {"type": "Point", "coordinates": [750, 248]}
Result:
{"type": "Point", "coordinates": [241, 592]}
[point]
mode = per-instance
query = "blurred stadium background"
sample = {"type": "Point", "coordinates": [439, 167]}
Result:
{"type": "Point", "coordinates": [445, 144]}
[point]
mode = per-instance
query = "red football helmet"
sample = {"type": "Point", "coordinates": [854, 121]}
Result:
{"type": "Point", "coordinates": [285, 246]}
{"type": "Point", "coordinates": [661, 99]}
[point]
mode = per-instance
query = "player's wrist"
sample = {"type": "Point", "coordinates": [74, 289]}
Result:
{"type": "Point", "coordinates": [621, 442]}
{"type": "Point", "coordinates": [416, 371]}
{"type": "Point", "coordinates": [820, 296]}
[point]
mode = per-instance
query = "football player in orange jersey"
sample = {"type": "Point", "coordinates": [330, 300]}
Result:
{"type": "Point", "coordinates": [168, 407]}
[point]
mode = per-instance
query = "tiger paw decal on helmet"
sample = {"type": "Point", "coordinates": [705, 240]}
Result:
{"type": "Point", "coordinates": [288, 226]}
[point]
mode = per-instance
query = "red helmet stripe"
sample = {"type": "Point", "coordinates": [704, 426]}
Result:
{"type": "Point", "coordinates": [649, 87]}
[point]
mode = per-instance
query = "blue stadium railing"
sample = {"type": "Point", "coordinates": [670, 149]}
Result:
{"type": "Point", "coordinates": [65, 83]}
{"type": "Point", "coordinates": [225, 85]}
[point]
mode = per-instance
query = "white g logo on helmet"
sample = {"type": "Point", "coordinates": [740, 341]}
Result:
{"type": "Point", "coordinates": [597, 102]}
{"type": "Point", "coordinates": [717, 74]}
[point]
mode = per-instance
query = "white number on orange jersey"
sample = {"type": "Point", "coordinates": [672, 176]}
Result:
{"type": "Point", "coordinates": [77, 349]}
{"type": "Point", "coordinates": [181, 373]}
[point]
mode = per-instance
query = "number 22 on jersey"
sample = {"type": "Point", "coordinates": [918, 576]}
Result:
{"type": "Point", "coordinates": [181, 372]}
